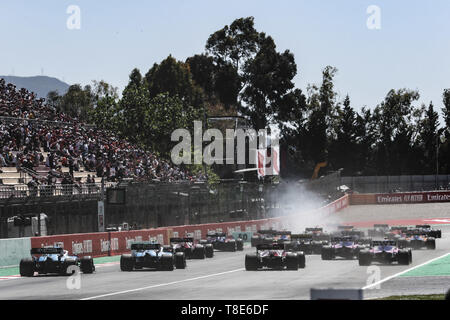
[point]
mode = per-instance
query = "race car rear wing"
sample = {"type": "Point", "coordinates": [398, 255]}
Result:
{"type": "Point", "coordinates": [381, 225]}
{"type": "Point", "coordinates": [345, 227]}
{"type": "Point", "coordinates": [313, 229]}
{"type": "Point", "coordinates": [352, 233]}
{"type": "Point", "coordinates": [273, 246]}
{"type": "Point", "coordinates": [145, 246]}
{"type": "Point", "coordinates": [339, 239]}
{"type": "Point", "coordinates": [51, 250]}
{"type": "Point", "coordinates": [216, 234]}
{"type": "Point", "coordinates": [384, 243]}
{"type": "Point", "coordinates": [301, 236]}
{"type": "Point", "coordinates": [175, 240]}
{"type": "Point", "coordinates": [423, 226]}
{"type": "Point", "coordinates": [399, 228]}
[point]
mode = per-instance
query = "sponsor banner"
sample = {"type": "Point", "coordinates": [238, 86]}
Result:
{"type": "Point", "coordinates": [118, 242]}
{"type": "Point", "coordinates": [413, 197]}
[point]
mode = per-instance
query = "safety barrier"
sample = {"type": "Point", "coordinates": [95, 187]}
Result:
{"type": "Point", "coordinates": [12, 250]}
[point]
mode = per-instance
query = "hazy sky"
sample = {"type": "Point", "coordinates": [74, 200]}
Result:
{"type": "Point", "coordinates": [411, 49]}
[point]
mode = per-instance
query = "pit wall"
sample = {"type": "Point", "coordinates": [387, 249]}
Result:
{"type": "Point", "coordinates": [400, 198]}
{"type": "Point", "coordinates": [115, 243]}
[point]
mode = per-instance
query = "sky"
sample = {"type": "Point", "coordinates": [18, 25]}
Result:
{"type": "Point", "coordinates": [411, 49]}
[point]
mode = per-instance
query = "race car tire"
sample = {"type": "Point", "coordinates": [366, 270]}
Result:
{"type": "Point", "coordinates": [167, 262]}
{"type": "Point", "coordinates": [403, 257]}
{"type": "Point", "coordinates": [410, 255]}
{"type": "Point", "coordinates": [180, 260]}
{"type": "Point", "coordinates": [401, 244]}
{"type": "Point", "coordinates": [316, 247]}
{"type": "Point", "coordinates": [66, 264]}
{"type": "Point", "coordinates": [87, 264]}
{"type": "Point", "coordinates": [126, 262]}
{"type": "Point", "coordinates": [301, 260]}
{"type": "Point", "coordinates": [431, 243]}
{"type": "Point", "coordinates": [209, 250]}
{"type": "Point", "coordinates": [327, 253]}
{"type": "Point", "coordinates": [26, 267]}
{"type": "Point", "coordinates": [254, 241]}
{"type": "Point", "coordinates": [231, 246]}
{"type": "Point", "coordinates": [268, 240]}
{"type": "Point", "coordinates": [239, 245]}
{"type": "Point", "coordinates": [364, 258]}
{"type": "Point", "coordinates": [291, 261]}
{"type": "Point", "coordinates": [199, 252]}
{"type": "Point", "coordinates": [251, 262]}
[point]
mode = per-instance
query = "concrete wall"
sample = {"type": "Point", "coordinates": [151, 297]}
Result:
{"type": "Point", "coordinates": [12, 250]}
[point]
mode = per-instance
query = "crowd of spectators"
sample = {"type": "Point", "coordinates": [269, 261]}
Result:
{"type": "Point", "coordinates": [34, 134]}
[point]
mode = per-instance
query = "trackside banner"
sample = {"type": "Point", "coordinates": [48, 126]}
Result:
{"type": "Point", "coordinates": [114, 243]}
{"type": "Point", "coordinates": [413, 197]}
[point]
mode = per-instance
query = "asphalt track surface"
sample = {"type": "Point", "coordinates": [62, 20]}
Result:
{"type": "Point", "coordinates": [224, 277]}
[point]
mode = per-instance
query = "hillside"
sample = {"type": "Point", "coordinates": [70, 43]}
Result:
{"type": "Point", "coordinates": [41, 85]}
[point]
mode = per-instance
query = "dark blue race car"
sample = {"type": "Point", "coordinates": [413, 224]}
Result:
{"type": "Point", "coordinates": [54, 260]}
{"type": "Point", "coordinates": [152, 255]}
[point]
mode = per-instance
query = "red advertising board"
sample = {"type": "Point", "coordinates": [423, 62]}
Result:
{"type": "Point", "coordinates": [413, 197]}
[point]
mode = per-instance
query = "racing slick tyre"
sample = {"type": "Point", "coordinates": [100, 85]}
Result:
{"type": "Point", "coordinates": [199, 252]}
{"type": "Point", "coordinates": [254, 241]}
{"type": "Point", "coordinates": [401, 244]}
{"type": "Point", "coordinates": [251, 262]}
{"type": "Point", "coordinates": [66, 264]}
{"type": "Point", "coordinates": [239, 245]}
{"type": "Point", "coordinates": [327, 253]}
{"type": "Point", "coordinates": [180, 260]}
{"type": "Point", "coordinates": [410, 255]}
{"type": "Point", "coordinates": [126, 262]}
{"type": "Point", "coordinates": [87, 264]}
{"type": "Point", "coordinates": [231, 245]}
{"type": "Point", "coordinates": [167, 262]}
{"type": "Point", "coordinates": [364, 258]}
{"type": "Point", "coordinates": [301, 260]}
{"type": "Point", "coordinates": [26, 267]}
{"type": "Point", "coordinates": [403, 257]}
{"type": "Point", "coordinates": [209, 250]}
{"type": "Point", "coordinates": [431, 243]}
{"type": "Point", "coordinates": [316, 247]}
{"type": "Point", "coordinates": [291, 261]}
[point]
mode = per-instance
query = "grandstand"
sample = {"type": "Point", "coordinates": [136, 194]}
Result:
{"type": "Point", "coordinates": [41, 146]}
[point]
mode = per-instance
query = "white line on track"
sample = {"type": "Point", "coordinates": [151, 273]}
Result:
{"type": "Point", "coordinates": [403, 272]}
{"type": "Point", "coordinates": [161, 285]}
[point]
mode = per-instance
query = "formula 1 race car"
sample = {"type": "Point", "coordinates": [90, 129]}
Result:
{"type": "Point", "coordinates": [191, 250]}
{"type": "Point", "coordinates": [54, 260]}
{"type": "Point", "coordinates": [385, 251]}
{"type": "Point", "coordinates": [220, 241]}
{"type": "Point", "coordinates": [152, 255]}
{"type": "Point", "coordinates": [269, 236]}
{"type": "Point", "coordinates": [416, 239]}
{"type": "Point", "coordinates": [379, 230]}
{"type": "Point", "coordinates": [273, 256]}
{"type": "Point", "coordinates": [344, 247]}
{"type": "Point", "coordinates": [304, 242]}
{"type": "Point", "coordinates": [428, 231]}
{"type": "Point", "coordinates": [395, 232]}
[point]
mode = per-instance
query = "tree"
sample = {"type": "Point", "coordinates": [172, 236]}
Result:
{"type": "Point", "coordinates": [77, 102]}
{"type": "Point", "coordinates": [343, 149]}
{"type": "Point", "coordinates": [132, 106]}
{"type": "Point", "coordinates": [174, 77]}
{"type": "Point", "coordinates": [105, 112]}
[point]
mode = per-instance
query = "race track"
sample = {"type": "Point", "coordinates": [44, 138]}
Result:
{"type": "Point", "coordinates": [224, 276]}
